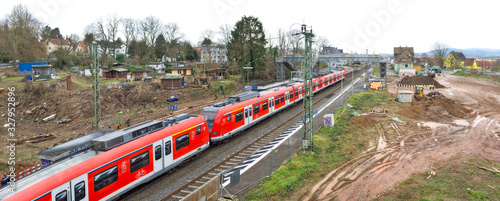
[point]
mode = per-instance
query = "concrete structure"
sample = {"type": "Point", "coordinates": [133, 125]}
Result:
{"type": "Point", "coordinates": [405, 96]}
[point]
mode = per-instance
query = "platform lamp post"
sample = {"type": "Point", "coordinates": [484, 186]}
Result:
{"type": "Point", "coordinates": [248, 68]}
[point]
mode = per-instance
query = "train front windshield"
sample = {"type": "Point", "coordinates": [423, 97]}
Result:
{"type": "Point", "coordinates": [209, 117]}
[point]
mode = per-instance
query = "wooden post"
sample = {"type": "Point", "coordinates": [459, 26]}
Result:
{"type": "Point", "coordinates": [68, 83]}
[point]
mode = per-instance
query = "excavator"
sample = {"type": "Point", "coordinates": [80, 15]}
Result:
{"type": "Point", "coordinates": [419, 91]}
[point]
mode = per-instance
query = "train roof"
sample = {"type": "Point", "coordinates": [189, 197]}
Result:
{"type": "Point", "coordinates": [73, 167]}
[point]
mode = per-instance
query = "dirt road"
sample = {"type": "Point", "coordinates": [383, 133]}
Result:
{"type": "Point", "coordinates": [404, 149]}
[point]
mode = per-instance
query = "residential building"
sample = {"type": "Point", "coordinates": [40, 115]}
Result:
{"type": "Point", "coordinates": [403, 57]}
{"type": "Point", "coordinates": [81, 48]}
{"type": "Point", "coordinates": [454, 59]}
{"type": "Point", "coordinates": [215, 53]}
{"type": "Point", "coordinates": [54, 44]}
{"type": "Point", "coordinates": [485, 63]}
{"type": "Point", "coordinates": [471, 63]}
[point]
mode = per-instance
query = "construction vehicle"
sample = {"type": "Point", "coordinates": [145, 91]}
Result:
{"type": "Point", "coordinates": [419, 91]}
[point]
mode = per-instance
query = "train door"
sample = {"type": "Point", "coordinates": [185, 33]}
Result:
{"type": "Point", "coordinates": [287, 98]}
{"type": "Point", "coordinates": [62, 193]}
{"type": "Point", "coordinates": [80, 188]}
{"type": "Point", "coordinates": [271, 105]}
{"type": "Point", "coordinates": [248, 115]}
{"type": "Point", "coordinates": [158, 156]}
{"type": "Point", "coordinates": [168, 156]}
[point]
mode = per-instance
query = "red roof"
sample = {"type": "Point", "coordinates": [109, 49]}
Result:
{"type": "Point", "coordinates": [469, 62]}
{"type": "Point", "coordinates": [84, 46]}
{"type": "Point", "coordinates": [56, 41]}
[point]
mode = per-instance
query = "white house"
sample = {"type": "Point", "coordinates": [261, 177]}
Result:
{"type": "Point", "coordinates": [216, 53]}
{"type": "Point", "coordinates": [157, 65]}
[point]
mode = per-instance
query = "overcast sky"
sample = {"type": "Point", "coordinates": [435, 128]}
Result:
{"type": "Point", "coordinates": [354, 25]}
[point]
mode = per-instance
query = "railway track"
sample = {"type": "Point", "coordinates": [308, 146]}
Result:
{"type": "Point", "coordinates": [251, 148]}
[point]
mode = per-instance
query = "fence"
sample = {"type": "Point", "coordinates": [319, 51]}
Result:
{"type": "Point", "coordinates": [412, 87]}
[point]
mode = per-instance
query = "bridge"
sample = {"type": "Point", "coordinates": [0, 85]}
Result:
{"type": "Point", "coordinates": [332, 60]}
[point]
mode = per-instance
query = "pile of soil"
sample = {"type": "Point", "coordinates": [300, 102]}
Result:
{"type": "Point", "coordinates": [420, 80]}
{"type": "Point", "coordinates": [437, 109]}
{"type": "Point", "coordinates": [363, 120]}
{"type": "Point", "coordinates": [412, 112]}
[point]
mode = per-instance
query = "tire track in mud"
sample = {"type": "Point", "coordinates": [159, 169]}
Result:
{"type": "Point", "coordinates": [354, 168]}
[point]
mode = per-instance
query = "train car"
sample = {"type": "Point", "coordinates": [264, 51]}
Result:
{"type": "Point", "coordinates": [117, 162]}
{"type": "Point", "coordinates": [244, 110]}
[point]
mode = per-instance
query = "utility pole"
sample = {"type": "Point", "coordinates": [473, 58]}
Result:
{"type": "Point", "coordinates": [96, 121]}
{"type": "Point", "coordinates": [307, 122]}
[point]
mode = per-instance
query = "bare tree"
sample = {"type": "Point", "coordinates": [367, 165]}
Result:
{"type": "Point", "coordinates": [283, 43]}
{"type": "Point", "coordinates": [112, 25]}
{"type": "Point", "coordinates": [22, 32]}
{"type": "Point", "coordinates": [207, 34]}
{"type": "Point", "coordinates": [295, 42]}
{"type": "Point", "coordinates": [130, 31]}
{"type": "Point", "coordinates": [73, 40]}
{"type": "Point", "coordinates": [206, 48]}
{"type": "Point", "coordinates": [225, 32]}
{"type": "Point", "coordinates": [102, 34]}
{"type": "Point", "coordinates": [150, 28]}
{"type": "Point", "coordinates": [173, 36]}
{"type": "Point", "coordinates": [440, 51]}
{"type": "Point", "coordinates": [319, 43]}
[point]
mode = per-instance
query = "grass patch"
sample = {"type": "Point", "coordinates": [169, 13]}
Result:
{"type": "Point", "coordinates": [454, 180]}
{"type": "Point", "coordinates": [478, 76]}
{"type": "Point", "coordinates": [376, 71]}
{"type": "Point", "coordinates": [332, 146]}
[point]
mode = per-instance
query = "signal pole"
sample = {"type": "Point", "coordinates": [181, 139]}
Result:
{"type": "Point", "coordinates": [96, 120]}
{"type": "Point", "coordinates": [307, 122]}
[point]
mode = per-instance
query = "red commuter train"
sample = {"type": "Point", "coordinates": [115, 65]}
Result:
{"type": "Point", "coordinates": [242, 111]}
{"type": "Point", "coordinates": [117, 162]}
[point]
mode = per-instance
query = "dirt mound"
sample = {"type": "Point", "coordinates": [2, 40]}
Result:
{"type": "Point", "coordinates": [412, 112]}
{"type": "Point", "coordinates": [363, 120]}
{"type": "Point", "coordinates": [420, 80]}
{"type": "Point", "coordinates": [435, 108]}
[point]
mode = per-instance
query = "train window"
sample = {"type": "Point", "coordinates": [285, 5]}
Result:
{"type": "Point", "coordinates": [80, 191]}
{"type": "Point", "coordinates": [105, 178]}
{"type": "Point", "coordinates": [156, 126]}
{"type": "Point", "coordinates": [277, 101]}
{"type": "Point", "coordinates": [158, 152]}
{"type": "Point", "coordinates": [198, 130]}
{"type": "Point", "coordinates": [168, 148]}
{"type": "Point", "coordinates": [286, 96]}
{"type": "Point", "coordinates": [238, 116]}
{"type": "Point", "coordinates": [182, 141]}
{"type": "Point", "coordinates": [139, 161]}
{"type": "Point", "coordinates": [246, 113]}
{"type": "Point", "coordinates": [264, 105]}
{"type": "Point", "coordinates": [228, 117]}
{"type": "Point", "coordinates": [291, 95]}
{"type": "Point", "coordinates": [297, 93]}
{"type": "Point", "coordinates": [139, 132]}
{"type": "Point", "coordinates": [256, 109]}
{"type": "Point", "coordinates": [62, 196]}
{"type": "Point", "coordinates": [282, 99]}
